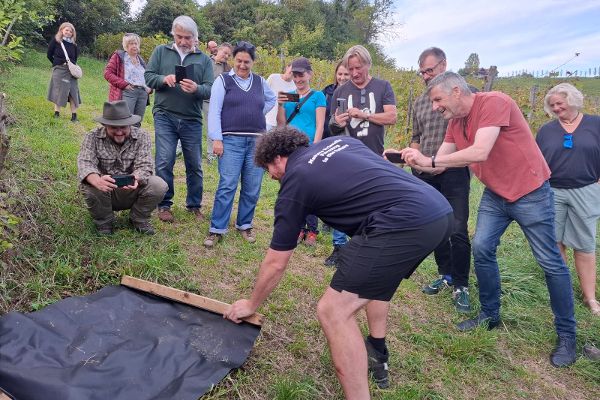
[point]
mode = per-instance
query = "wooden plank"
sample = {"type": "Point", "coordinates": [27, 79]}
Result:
{"type": "Point", "coordinates": [188, 298]}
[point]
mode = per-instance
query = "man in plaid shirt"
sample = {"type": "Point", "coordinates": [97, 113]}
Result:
{"type": "Point", "coordinates": [429, 128]}
{"type": "Point", "coordinates": [115, 149]}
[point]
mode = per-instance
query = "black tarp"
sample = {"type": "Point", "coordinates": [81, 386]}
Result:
{"type": "Point", "coordinates": [118, 343]}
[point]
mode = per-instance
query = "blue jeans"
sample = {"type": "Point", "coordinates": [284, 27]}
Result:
{"type": "Point", "coordinates": [237, 160]}
{"type": "Point", "coordinates": [167, 130]}
{"type": "Point", "coordinates": [454, 256]}
{"type": "Point", "coordinates": [339, 238]}
{"type": "Point", "coordinates": [534, 213]}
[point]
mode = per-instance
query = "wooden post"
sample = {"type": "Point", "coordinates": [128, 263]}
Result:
{"type": "Point", "coordinates": [185, 297]}
{"type": "Point", "coordinates": [489, 79]}
{"type": "Point", "coordinates": [532, 100]}
{"type": "Point", "coordinates": [4, 139]}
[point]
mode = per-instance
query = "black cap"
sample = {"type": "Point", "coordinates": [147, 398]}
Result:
{"type": "Point", "coordinates": [301, 65]}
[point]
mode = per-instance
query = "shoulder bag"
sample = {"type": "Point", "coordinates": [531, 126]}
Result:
{"type": "Point", "coordinates": [74, 69]}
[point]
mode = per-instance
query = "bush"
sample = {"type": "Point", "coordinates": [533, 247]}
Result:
{"type": "Point", "coordinates": [107, 43]}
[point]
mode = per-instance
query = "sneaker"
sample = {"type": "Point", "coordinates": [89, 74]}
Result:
{"type": "Point", "coordinates": [480, 320]}
{"type": "Point", "coordinates": [378, 367]}
{"type": "Point", "coordinates": [311, 239]}
{"type": "Point", "coordinates": [196, 211]}
{"type": "Point", "coordinates": [301, 237]}
{"type": "Point", "coordinates": [461, 299]}
{"type": "Point", "coordinates": [143, 227]}
{"type": "Point", "coordinates": [592, 352]}
{"type": "Point", "coordinates": [212, 239]}
{"type": "Point", "coordinates": [165, 215]}
{"type": "Point", "coordinates": [332, 260]}
{"type": "Point", "coordinates": [105, 229]}
{"type": "Point", "coordinates": [436, 286]}
{"type": "Point", "coordinates": [248, 235]}
{"type": "Point", "coordinates": [564, 353]}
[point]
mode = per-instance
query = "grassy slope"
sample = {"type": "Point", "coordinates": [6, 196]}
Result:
{"type": "Point", "coordinates": [59, 255]}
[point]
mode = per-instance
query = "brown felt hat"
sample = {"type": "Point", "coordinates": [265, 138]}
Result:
{"type": "Point", "coordinates": [116, 113]}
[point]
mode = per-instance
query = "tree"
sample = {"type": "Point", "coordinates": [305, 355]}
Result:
{"type": "Point", "coordinates": [471, 65]}
{"type": "Point", "coordinates": [157, 15]}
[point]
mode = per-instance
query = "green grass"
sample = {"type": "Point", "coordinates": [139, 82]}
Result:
{"type": "Point", "coordinates": [58, 255]}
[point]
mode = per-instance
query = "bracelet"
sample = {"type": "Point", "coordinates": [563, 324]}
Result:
{"type": "Point", "coordinates": [433, 161]}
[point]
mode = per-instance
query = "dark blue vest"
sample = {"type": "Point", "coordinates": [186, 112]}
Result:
{"type": "Point", "coordinates": [243, 110]}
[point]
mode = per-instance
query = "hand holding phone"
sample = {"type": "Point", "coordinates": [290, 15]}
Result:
{"type": "Point", "coordinates": [342, 106]}
{"type": "Point", "coordinates": [395, 158]}
{"type": "Point", "coordinates": [123, 180]}
{"type": "Point", "coordinates": [289, 97]}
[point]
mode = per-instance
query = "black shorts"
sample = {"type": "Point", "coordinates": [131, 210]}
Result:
{"type": "Point", "coordinates": [372, 265]}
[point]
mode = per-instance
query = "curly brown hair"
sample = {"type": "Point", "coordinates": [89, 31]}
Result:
{"type": "Point", "coordinates": [280, 141]}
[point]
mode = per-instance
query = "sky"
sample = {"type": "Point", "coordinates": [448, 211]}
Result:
{"type": "Point", "coordinates": [514, 35]}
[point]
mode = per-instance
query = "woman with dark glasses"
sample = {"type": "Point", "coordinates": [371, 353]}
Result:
{"type": "Point", "coordinates": [571, 146]}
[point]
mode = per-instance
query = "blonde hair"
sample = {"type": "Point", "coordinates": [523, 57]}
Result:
{"type": "Point", "coordinates": [131, 37]}
{"type": "Point", "coordinates": [357, 51]}
{"type": "Point", "coordinates": [573, 97]}
{"type": "Point", "coordinates": [62, 26]}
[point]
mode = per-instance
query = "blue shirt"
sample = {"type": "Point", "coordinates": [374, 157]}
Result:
{"type": "Point", "coordinates": [217, 94]}
{"type": "Point", "coordinates": [306, 119]}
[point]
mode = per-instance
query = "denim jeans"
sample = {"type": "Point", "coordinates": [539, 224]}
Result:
{"type": "Point", "coordinates": [237, 160]}
{"type": "Point", "coordinates": [339, 238]}
{"type": "Point", "coordinates": [454, 256]}
{"type": "Point", "coordinates": [167, 130]}
{"type": "Point", "coordinates": [534, 213]}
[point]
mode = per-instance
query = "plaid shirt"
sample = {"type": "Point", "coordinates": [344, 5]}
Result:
{"type": "Point", "coordinates": [100, 155]}
{"type": "Point", "coordinates": [429, 127]}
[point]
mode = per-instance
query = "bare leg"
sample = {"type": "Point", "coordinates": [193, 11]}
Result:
{"type": "Point", "coordinates": [56, 107]}
{"type": "Point", "coordinates": [336, 312]}
{"type": "Point", "coordinates": [585, 264]}
{"type": "Point", "coordinates": [377, 312]}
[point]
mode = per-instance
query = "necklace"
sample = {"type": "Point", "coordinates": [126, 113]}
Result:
{"type": "Point", "coordinates": [571, 121]}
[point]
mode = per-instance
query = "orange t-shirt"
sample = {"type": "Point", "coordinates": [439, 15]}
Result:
{"type": "Point", "coordinates": [515, 165]}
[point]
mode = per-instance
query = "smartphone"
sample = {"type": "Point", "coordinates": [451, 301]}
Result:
{"type": "Point", "coordinates": [183, 72]}
{"type": "Point", "coordinates": [342, 106]}
{"type": "Point", "coordinates": [291, 97]}
{"type": "Point", "coordinates": [395, 158]}
{"type": "Point", "coordinates": [123, 180]}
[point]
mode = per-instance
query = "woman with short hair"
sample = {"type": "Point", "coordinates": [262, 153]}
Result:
{"type": "Point", "coordinates": [63, 87]}
{"type": "Point", "coordinates": [571, 146]}
{"type": "Point", "coordinates": [125, 74]}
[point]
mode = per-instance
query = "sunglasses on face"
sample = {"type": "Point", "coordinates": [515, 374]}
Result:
{"type": "Point", "coordinates": [568, 141]}
{"type": "Point", "coordinates": [429, 71]}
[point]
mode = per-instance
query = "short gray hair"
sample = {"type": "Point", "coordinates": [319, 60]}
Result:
{"type": "Point", "coordinates": [360, 52]}
{"type": "Point", "coordinates": [573, 97]}
{"type": "Point", "coordinates": [131, 37]}
{"type": "Point", "coordinates": [187, 24]}
{"type": "Point", "coordinates": [225, 44]}
{"type": "Point", "coordinates": [432, 51]}
{"type": "Point", "coordinates": [448, 81]}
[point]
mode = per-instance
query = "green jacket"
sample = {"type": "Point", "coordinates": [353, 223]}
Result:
{"type": "Point", "coordinates": [173, 100]}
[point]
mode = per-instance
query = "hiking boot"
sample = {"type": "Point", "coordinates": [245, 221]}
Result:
{"type": "Point", "coordinates": [248, 235]}
{"type": "Point", "coordinates": [564, 353]}
{"type": "Point", "coordinates": [378, 367]}
{"type": "Point", "coordinates": [436, 286]}
{"type": "Point", "coordinates": [300, 237]}
{"type": "Point", "coordinates": [165, 215]}
{"type": "Point", "coordinates": [212, 239]}
{"type": "Point", "coordinates": [480, 320]}
{"type": "Point", "coordinates": [143, 227]}
{"type": "Point", "coordinates": [105, 229]}
{"type": "Point", "coordinates": [332, 260]}
{"type": "Point", "coordinates": [310, 239]}
{"type": "Point", "coordinates": [74, 117]}
{"type": "Point", "coordinates": [461, 299]}
{"type": "Point", "coordinates": [592, 352]}
{"type": "Point", "coordinates": [196, 211]}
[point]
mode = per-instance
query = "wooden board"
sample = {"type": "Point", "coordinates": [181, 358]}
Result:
{"type": "Point", "coordinates": [188, 298]}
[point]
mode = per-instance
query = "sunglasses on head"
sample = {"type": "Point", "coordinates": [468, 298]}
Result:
{"type": "Point", "coordinates": [568, 141]}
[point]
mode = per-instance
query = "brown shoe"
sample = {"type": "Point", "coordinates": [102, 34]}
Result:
{"type": "Point", "coordinates": [248, 235]}
{"type": "Point", "coordinates": [165, 215]}
{"type": "Point", "coordinates": [212, 239]}
{"type": "Point", "coordinates": [196, 211]}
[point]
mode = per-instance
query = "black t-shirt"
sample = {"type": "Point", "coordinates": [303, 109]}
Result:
{"type": "Point", "coordinates": [576, 167]}
{"type": "Point", "coordinates": [370, 99]}
{"type": "Point", "coordinates": [352, 190]}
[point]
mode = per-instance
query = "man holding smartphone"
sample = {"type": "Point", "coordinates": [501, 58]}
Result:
{"type": "Point", "coordinates": [115, 171]}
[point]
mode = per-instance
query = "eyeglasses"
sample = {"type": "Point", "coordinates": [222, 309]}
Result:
{"type": "Point", "coordinates": [568, 141]}
{"type": "Point", "coordinates": [429, 71]}
{"type": "Point", "coordinates": [363, 98]}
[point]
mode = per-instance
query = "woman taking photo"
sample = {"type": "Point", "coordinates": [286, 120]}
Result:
{"type": "Point", "coordinates": [239, 100]}
{"type": "Point", "coordinates": [340, 76]}
{"type": "Point", "coordinates": [571, 146]}
{"type": "Point", "coordinates": [125, 73]}
{"type": "Point", "coordinates": [63, 87]}
{"type": "Point", "coordinates": [307, 114]}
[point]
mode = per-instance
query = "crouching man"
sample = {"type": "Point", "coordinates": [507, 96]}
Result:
{"type": "Point", "coordinates": [115, 171]}
{"type": "Point", "coordinates": [395, 221]}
